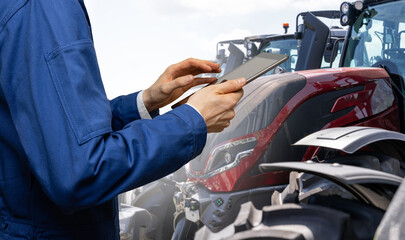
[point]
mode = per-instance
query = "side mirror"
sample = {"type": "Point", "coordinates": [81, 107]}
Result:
{"type": "Point", "coordinates": [328, 54]}
{"type": "Point", "coordinates": [337, 45]}
{"type": "Point", "coordinates": [221, 56]}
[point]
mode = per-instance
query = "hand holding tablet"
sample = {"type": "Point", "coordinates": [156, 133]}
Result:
{"type": "Point", "coordinates": [251, 70]}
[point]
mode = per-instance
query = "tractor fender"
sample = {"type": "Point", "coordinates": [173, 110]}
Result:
{"type": "Point", "coordinates": [350, 139]}
{"type": "Point", "coordinates": [344, 174]}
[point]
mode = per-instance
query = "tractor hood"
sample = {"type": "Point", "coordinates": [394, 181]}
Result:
{"type": "Point", "coordinates": [262, 101]}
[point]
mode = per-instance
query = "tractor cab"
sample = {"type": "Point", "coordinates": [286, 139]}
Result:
{"type": "Point", "coordinates": [376, 38]}
{"type": "Point", "coordinates": [282, 44]}
{"type": "Point", "coordinates": [313, 45]}
{"type": "Point", "coordinates": [232, 53]}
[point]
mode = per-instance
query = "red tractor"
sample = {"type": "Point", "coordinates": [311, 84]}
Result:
{"type": "Point", "coordinates": [141, 214]}
{"type": "Point", "coordinates": [244, 163]}
{"type": "Point", "coordinates": [343, 178]}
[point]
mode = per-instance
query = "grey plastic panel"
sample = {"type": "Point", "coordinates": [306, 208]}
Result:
{"type": "Point", "coordinates": [132, 220]}
{"type": "Point", "coordinates": [393, 224]}
{"type": "Point", "coordinates": [235, 59]}
{"type": "Point", "coordinates": [313, 43]}
{"type": "Point", "coordinates": [349, 139]}
{"type": "Point", "coordinates": [336, 172]}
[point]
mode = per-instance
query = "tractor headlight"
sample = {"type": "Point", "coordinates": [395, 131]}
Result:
{"type": "Point", "coordinates": [227, 156]}
{"type": "Point", "coordinates": [350, 11]}
{"type": "Point", "coordinates": [346, 13]}
{"type": "Point", "coordinates": [359, 5]}
{"type": "Point", "coordinates": [344, 8]}
{"type": "Point", "coordinates": [344, 20]}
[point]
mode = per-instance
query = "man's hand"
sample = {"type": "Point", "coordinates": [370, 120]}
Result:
{"type": "Point", "coordinates": [216, 103]}
{"type": "Point", "coordinates": [176, 80]}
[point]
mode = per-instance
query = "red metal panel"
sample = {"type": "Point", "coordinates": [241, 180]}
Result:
{"type": "Point", "coordinates": [318, 82]}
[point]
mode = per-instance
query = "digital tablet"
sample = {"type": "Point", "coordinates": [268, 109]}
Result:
{"type": "Point", "coordinates": [255, 67]}
{"type": "Point", "coordinates": [251, 70]}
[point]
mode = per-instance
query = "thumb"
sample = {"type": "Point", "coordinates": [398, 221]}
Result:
{"type": "Point", "coordinates": [231, 85]}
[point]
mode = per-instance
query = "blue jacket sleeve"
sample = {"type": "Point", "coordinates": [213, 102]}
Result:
{"type": "Point", "coordinates": [125, 110]}
{"type": "Point", "coordinates": [64, 120]}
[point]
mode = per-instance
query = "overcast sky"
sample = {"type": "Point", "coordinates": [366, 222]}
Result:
{"type": "Point", "coordinates": [137, 39]}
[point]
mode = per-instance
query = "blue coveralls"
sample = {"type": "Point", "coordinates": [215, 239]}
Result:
{"type": "Point", "coordinates": [65, 150]}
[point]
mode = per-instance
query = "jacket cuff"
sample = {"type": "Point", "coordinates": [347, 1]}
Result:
{"type": "Point", "coordinates": [125, 107]}
{"type": "Point", "coordinates": [197, 124]}
{"type": "Point", "coordinates": [143, 112]}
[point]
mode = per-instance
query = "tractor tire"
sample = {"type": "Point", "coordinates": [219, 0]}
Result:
{"type": "Point", "coordinates": [325, 218]}
{"type": "Point", "coordinates": [329, 214]}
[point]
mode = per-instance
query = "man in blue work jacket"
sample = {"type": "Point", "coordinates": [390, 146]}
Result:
{"type": "Point", "coordinates": [66, 152]}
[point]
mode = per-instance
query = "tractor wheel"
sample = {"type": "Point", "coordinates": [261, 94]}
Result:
{"type": "Point", "coordinates": [324, 218]}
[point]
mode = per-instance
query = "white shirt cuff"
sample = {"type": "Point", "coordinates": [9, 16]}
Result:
{"type": "Point", "coordinates": [195, 109]}
{"type": "Point", "coordinates": [143, 112]}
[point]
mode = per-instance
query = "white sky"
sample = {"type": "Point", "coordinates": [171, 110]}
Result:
{"type": "Point", "coordinates": [137, 39]}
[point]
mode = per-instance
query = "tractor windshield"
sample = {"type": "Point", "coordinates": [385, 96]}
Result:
{"type": "Point", "coordinates": [286, 47]}
{"type": "Point", "coordinates": [378, 38]}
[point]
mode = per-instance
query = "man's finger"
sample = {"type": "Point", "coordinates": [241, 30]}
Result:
{"type": "Point", "coordinates": [231, 85]}
{"type": "Point", "coordinates": [214, 66]}
{"type": "Point", "coordinates": [203, 64]}
{"type": "Point", "coordinates": [194, 67]}
{"type": "Point", "coordinates": [177, 83]}
{"type": "Point", "coordinates": [199, 81]}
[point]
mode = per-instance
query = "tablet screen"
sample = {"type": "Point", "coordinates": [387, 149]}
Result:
{"type": "Point", "coordinates": [255, 67]}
